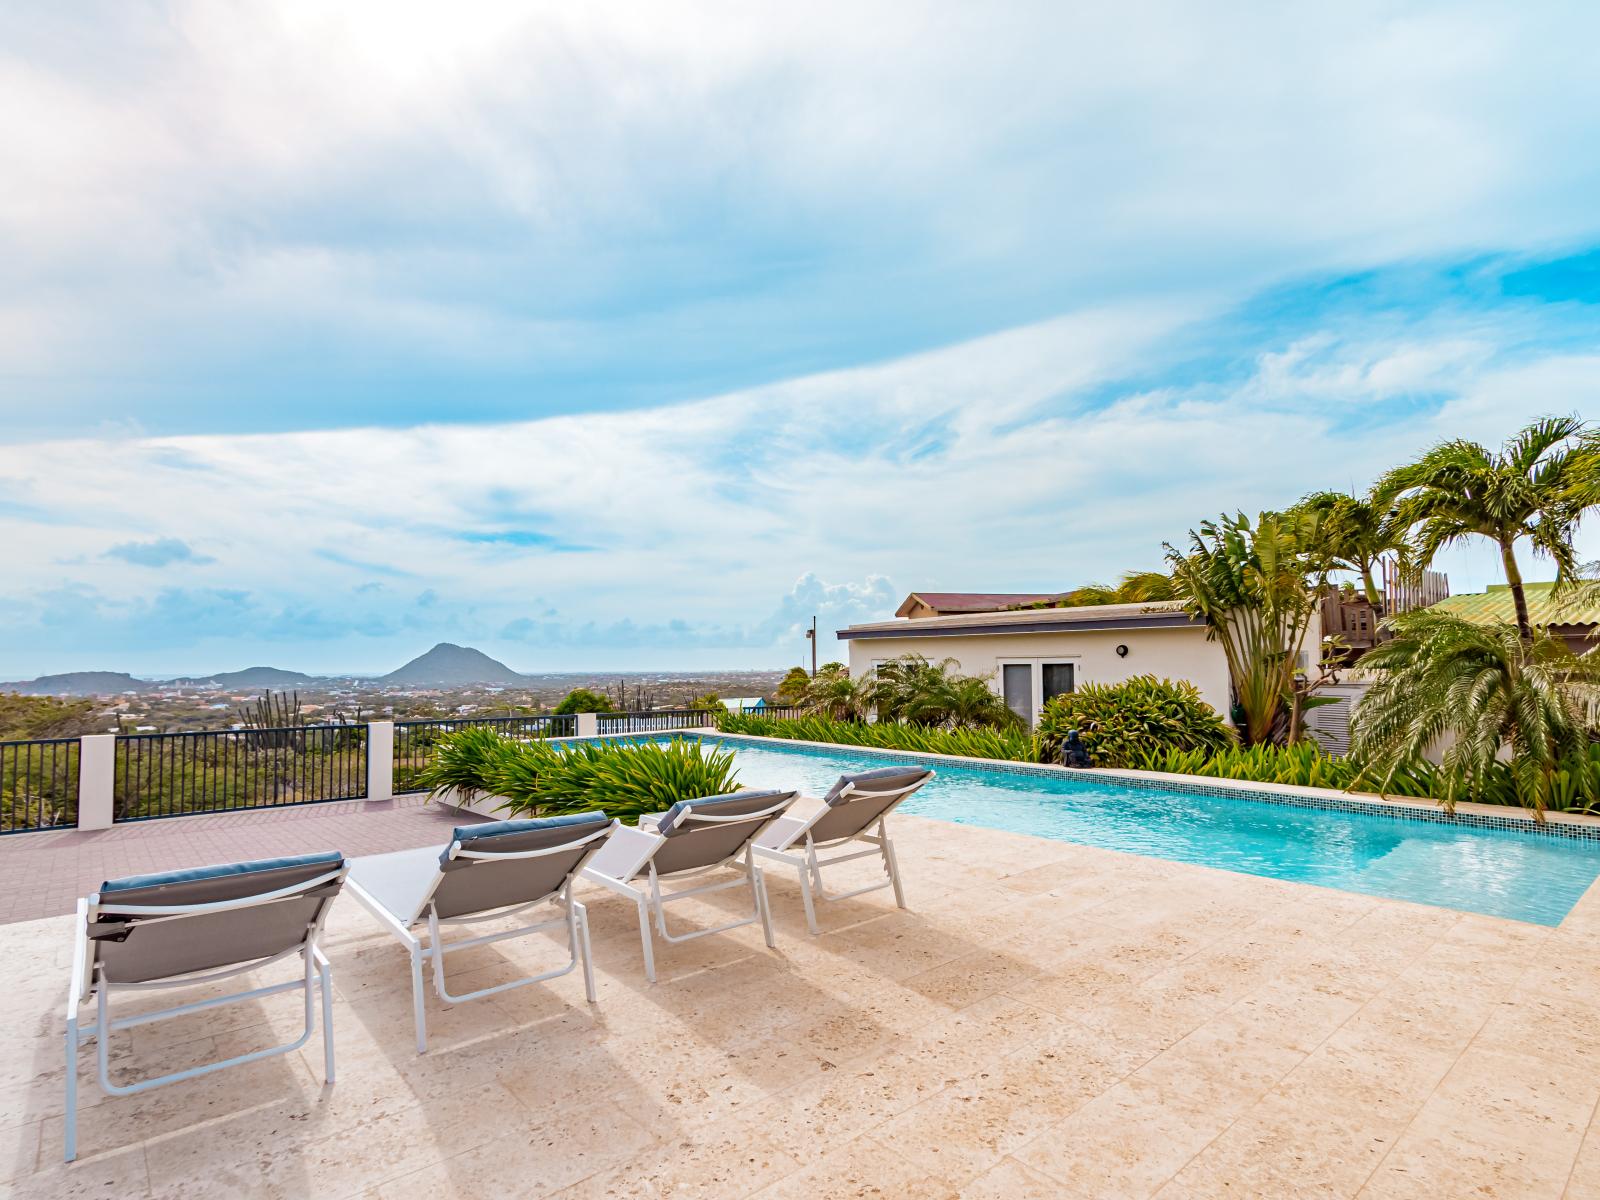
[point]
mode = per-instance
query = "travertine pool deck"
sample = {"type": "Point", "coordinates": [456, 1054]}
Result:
{"type": "Point", "coordinates": [1049, 1021]}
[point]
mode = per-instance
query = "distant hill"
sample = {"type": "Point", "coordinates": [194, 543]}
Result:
{"type": "Point", "coordinates": [449, 665]}
{"type": "Point", "coordinates": [252, 677]}
{"type": "Point", "coordinates": [80, 683]}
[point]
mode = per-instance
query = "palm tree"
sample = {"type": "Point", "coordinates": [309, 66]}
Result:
{"type": "Point", "coordinates": [833, 694]}
{"type": "Point", "coordinates": [1135, 587]}
{"type": "Point", "coordinates": [966, 701]}
{"type": "Point", "coordinates": [1536, 487]}
{"type": "Point", "coordinates": [1256, 587]}
{"type": "Point", "coordinates": [1083, 596]}
{"type": "Point", "coordinates": [1480, 688]}
{"type": "Point", "coordinates": [913, 689]}
{"type": "Point", "coordinates": [1144, 587]}
{"type": "Point", "coordinates": [1357, 532]}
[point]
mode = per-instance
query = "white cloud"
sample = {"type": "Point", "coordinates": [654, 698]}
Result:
{"type": "Point", "coordinates": [348, 227]}
{"type": "Point", "coordinates": [226, 195]}
{"type": "Point", "coordinates": [677, 534]}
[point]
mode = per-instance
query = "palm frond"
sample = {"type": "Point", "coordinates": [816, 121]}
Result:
{"type": "Point", "coordinates": [1479, 690]}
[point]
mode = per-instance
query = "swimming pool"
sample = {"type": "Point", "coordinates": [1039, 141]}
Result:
{"type": "Point", "coordinates": [1503, 873]}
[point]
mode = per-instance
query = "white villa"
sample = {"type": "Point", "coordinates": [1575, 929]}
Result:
{"type": "Point", "coordinates": [1034, 653]}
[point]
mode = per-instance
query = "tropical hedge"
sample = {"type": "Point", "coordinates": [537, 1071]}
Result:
{"type": "Point", "coordinates": [541, 779]}
{"type": "Point", "coordinates": [1014, 744]}
{"type": "Point", "coordinates": [1574, 787]}
{"type": "Point", "coordinates": [1118, 723]}
{"type": "Point", "coordinates": [1574, 784]}
{"type": "Point", "coordinates": [1303, 764]}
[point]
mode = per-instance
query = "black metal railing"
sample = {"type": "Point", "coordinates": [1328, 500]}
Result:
{"type": "Point", "coordinates": [174, 774]}
{"type": "Point", "coordinates": [783, 712]}
{"type": "Point", "coordinates": [414, 740]}
{"type": "Point", "coordinates": [38, 784]}
{"type": "Point", "coordinates": [656, 721]}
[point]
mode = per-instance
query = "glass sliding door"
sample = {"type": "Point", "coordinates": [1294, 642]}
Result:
{"type": "Point", "coordinates": [1016, 685]}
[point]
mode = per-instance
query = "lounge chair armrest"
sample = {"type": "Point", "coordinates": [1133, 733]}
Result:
{"type": "Point", "coordinates": [80, 959]}
{"type": "Point", "coordinates": [624, 854]}
{"type": "Point", "coordinates": [380, 911]}
{"type": "Point", "coordinates": [782, 833]}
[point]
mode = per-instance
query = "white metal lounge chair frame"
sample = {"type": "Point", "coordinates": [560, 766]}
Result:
{"type": "Point", "coordinates": [654, 901]}
{"type": "Point", "coordinates": [317, 978]}
{"type": "Point", "coordinates": [574, 916]}
{"type": "Point", "coordinates": [809, 865]}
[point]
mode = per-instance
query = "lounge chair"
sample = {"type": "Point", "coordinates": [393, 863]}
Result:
{"type": "Point", "coordinates": [490, 871]}
{"type": "Point", "coordinates": [195, 927]}
{"type": "Point", "coordinates": [692, 838]}
{"type": "Point", "coordinates": [850, 809]}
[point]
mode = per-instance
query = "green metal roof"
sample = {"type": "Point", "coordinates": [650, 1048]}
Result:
{"type": "Point", "coordinates": [1495, 605]}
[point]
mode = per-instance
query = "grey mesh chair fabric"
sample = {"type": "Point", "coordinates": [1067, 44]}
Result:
{"type": "Point", "coordinates": [692, 838]}
{"type": "Point", "coordinates": [474, 885]}
{"type": "Point", "coordinates": [694, 842]}
{"type": "Point", "coordinates": [194, 927]}
{"type": "Point", "coordinates": [488, 872]}
{"type": "Point", "coordinates": [855, 809]}
{"type": "Point", "coordinates": [856, 801]}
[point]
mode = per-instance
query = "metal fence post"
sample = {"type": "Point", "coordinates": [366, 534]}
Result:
{"type": "Point", "coordinates": [97, 770]}
{"type": "Point", "coordinates": [380, 760]}
{"type": "Point", "coordinates": [588, 724]}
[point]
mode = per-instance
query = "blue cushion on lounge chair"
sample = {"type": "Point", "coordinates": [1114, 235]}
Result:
{"type": "Point", "coordinates": [749, 799]}
{"type": "Point", "coordinates": [879, 779]}
{"type": "Point", "coordinates": [489, 829]}
{"type": "Point", "coordinates": [220, 870]}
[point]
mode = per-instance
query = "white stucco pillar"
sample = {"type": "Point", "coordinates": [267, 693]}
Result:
{"type": "Point", "coordinates": [588, 724]}
{"type": "Point", "coordinates": [380, 760]}
{"type": "Point", "coordinates": [97, 766]}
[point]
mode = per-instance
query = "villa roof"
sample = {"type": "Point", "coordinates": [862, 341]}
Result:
{"type": "Point", "coordinates": [1082, 619]}
{"type": "Point", "coordinates": [1543, 609]}
{"type": "Point", "coordinates": [972, 602]}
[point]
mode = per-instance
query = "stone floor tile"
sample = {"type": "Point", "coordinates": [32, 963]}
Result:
{"type": "Point", "coordinates": [863, 1170]}
{"type": "Point", "coordinates": [850, 1101]}
{"type": "Point", "coordinates": [1282, 1147]}
{"type": "Point", "coordinates": [1127, 1142]}
{"type": "Point", "coordinates": [708, 1163]}
{"type": "Point", "coordinates": [565, 1145]}
{"type": "Point", "coordinates": [1584, 1181]}
{"type": "Point", "coordinates": [1010, 1180]}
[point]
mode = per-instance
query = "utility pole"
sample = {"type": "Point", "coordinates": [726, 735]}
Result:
{"type": "Point", "coordinates": [811, 636]}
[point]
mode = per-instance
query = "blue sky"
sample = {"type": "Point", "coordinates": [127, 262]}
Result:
{"type": "Point", "coordinates": [629, 338]}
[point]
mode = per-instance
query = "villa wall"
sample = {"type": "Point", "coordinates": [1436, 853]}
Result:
{"type": "Point", "coordinates": [1167, 653]}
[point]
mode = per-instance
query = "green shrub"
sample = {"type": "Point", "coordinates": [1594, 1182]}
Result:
{"type": "Point", "coordinates": [1575, 786]}
{"type": "Point", "coordinates": [1120, 723]}
{"type": "Point", "coordinates": [623, 778]}
{"type": "Point", "coordinates": [541, 779]}
{"type": "Point", "coordinates": [465, 760]}
{"type": "Point", "coordinates": [1012, 745]}
{"type": "Point", "coordinates": [1300, 765]}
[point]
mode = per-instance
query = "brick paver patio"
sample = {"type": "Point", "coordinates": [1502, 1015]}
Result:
{"type": "Point", "coordinates": [43, 874]}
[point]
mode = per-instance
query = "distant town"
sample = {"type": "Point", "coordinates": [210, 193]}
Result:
{"type": "Point", "coordinates": [448, 680]}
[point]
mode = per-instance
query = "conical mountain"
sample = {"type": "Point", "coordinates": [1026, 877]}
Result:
{"type": "Point", "coordinates": [449, 665]}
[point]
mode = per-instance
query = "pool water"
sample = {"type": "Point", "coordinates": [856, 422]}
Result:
{"type": "Point", "coordinates": [1527, 877]}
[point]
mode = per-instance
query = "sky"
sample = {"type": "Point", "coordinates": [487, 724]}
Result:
{"type": "Point", "coordinates": [629, 337]}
